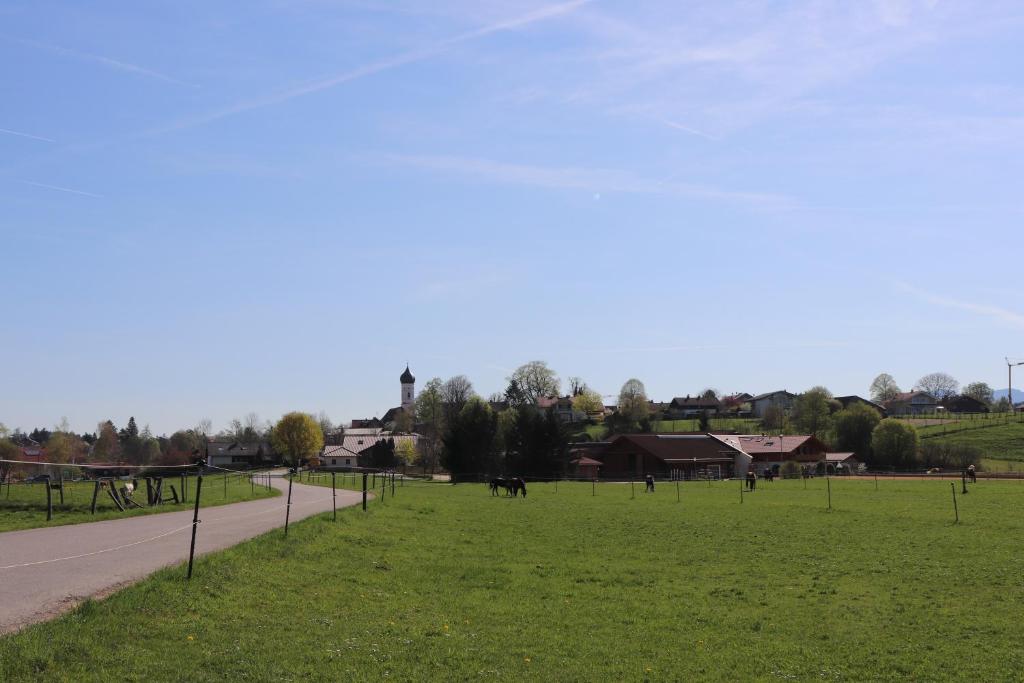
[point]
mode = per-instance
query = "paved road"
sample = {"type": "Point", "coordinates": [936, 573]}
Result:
{"type": "Point", "coordinates": [44, 572]}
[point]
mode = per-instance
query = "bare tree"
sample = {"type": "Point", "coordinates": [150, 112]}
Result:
{"type": "Point", "coordinates": [710, 394]}
{"type": "Point", "coordinates": [938, 384]}
{"type": "Point", "coordinates": [633, 400]}
{"type": "Point", "coordinates": [535, 380]}
{"type": "Point", "coordinates": [884, 388]}
{"type": "Point", "coordinates": [326, 426]}
{"type": "Point", "coordinates": [979, 391]}
{"type": "Point", "coordinates": [455, 393]}
{"type": "Point", "coordinates": [576, 386]}
{"type": "Point", "coordinates": [204, 428]}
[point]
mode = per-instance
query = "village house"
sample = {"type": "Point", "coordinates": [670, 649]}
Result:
{"type": "Point", "coordinates": [760, 404]}
{"type": "Point", "coordinates": [338, 458]}
{"type": "Point", "coordinates": [562, 407]}
{"type": "Point", "coordinates": [912, 403]}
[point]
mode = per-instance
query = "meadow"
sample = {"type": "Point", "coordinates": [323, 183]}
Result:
{"type": "Point", "coordinates": [581, 583]}
{"type": "Point", "coordinates": [23, 506]}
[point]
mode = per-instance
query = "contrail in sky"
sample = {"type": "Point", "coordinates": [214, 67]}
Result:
{"type": "Point", "coordinates": [60, 189]}
{"type": "Point", "coordinates": [25, 135]}
{"type": "Point", "coordinates": [387, 64]}
{"type": "Point", "coordinates": [106, 61]}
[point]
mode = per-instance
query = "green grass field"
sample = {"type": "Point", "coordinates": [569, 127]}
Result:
{"type": "Point", "coordinates": [445, 582]}
{"type": "Point", "coordinates": [23, 506]}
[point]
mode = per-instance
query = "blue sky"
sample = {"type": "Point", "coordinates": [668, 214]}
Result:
{"type": "Point", "coordinates": [216, 208]}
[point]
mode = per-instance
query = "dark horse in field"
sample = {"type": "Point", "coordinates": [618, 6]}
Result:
{"type": "Point", "coordinates": [512, 486]}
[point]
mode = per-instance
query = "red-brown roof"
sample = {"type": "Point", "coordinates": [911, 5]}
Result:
{"type": "Point", "coordinates": [676, 447]}
{"type": "Point", "coordinates": [762, 447]}
{"type": "Point", "coordinates": [587, 462]}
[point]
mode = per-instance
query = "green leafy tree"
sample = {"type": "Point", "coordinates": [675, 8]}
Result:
{"type": "Point", "coordinates": [107, 447]}
{"type": "Point", "coordinates": [297, 437]}
{"type": "Point", "coordinates": [8, 451]}
{"type": "Point", "coordinates": [588, 402]}
{"type": "Point", "coordinates": [812, 413]}
{"type": "Point", "coordinates": [853, 429]}
{"type": "Point", "coordinates": [537, 444]}
{"type": "Point", "coordinates": [469, 441]}
{"type": "Point", "coordinates": [405, 452]}
{"type": "Point", "coordinates": [382, 454]}
{"type": "Point", "coordinates": [430, 414]}
{"type": "Point", "coordinates": [894, 444]}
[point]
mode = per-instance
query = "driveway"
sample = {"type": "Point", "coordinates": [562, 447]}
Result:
{"type": "Point", "coordinates": [44, 572]}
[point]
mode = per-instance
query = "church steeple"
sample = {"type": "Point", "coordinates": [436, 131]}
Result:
{"type": "Point", "coordinates": [408, 389]}
{"type": "Point", "coordinates": [407, 377]}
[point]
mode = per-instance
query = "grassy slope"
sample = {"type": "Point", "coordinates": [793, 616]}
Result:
{"type": "Point", "coordinates": [26, 506]}
{"type": "Point", "coordinates": [999, 441]}
{"type": "Point", "coordinates": [447, 583]}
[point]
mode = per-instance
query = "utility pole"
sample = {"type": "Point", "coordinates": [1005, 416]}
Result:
{"type": "Point", "coordinates": [1009, 381]}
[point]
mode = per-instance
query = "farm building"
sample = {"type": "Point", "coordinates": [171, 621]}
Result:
{"type": "Point", "coordinates": [964, 404]}
{"type": "Point", "coordinates": [238, 455]}
{"type": "Point", "coordinates": [586, 468]}
{"type": "Point", "coordinates": [677, 456]}
{"type": "Point", "coordinates": [912, 403]}
{"type": "Point", "coordinates": [838, 462]}
{"type": "Point", "coordinates": [770, 452]}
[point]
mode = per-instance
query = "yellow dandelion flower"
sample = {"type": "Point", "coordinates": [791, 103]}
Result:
{"type": "Point", "coordinates": [526, 659]}
{"type": "Point", "coordinates": [191, 637]}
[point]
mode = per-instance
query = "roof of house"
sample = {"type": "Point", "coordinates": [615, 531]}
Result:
{"type": "Point", "coordinates": [695, 402]}
{"type": "Point", "coordinates": [677, 447]}
{"type": "Point", "coordinates": [359, 443]}
{"type": "Point", "coordinates": [338, 452]}
{"type": "Point", "coordinates": [839, 457]}
{"type": "Point", "coordinates": [233, 448]}
{"type": "Point", "coordinates": [853, 398]}
{"type": "Point", "coordinates": [909, 395]}
{"type": "Point", "coordinates": [586, 462]}
{"type": "Point", "coordinates": [761, 397]}
{"type": "Point", "coordinates": [759, 445]}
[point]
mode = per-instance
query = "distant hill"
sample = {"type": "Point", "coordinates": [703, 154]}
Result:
{"type": "Point", "coordinates": [1018, 394]}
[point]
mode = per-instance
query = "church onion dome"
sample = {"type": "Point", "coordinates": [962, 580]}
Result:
{"type": "Point", "coordinates": [407, 377]}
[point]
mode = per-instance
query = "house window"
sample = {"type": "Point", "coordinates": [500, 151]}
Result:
{"type": "Point", "coordinates": [333, 461]}
{"type": "Point", "coordinates": [348, 461]}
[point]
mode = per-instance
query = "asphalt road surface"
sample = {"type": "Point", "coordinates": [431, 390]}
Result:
{"type": "Point", "coordinates": [44, 572]}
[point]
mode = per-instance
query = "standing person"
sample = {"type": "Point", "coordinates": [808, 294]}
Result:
{"type": "Point", "coordinates": [972, 474]}
{"type": "Point", "coordinates": [649, 479]}
{"type": "Point", "coordinates": [753, 480]}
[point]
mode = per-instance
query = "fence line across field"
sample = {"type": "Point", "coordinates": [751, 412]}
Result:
{"type": "Point", "coordinates": [366, 481]}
